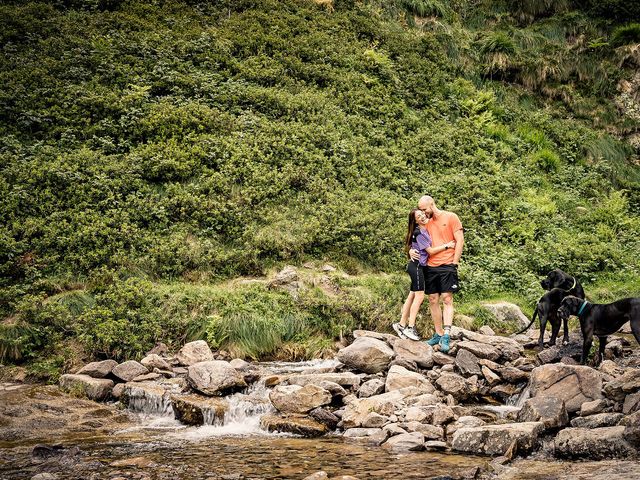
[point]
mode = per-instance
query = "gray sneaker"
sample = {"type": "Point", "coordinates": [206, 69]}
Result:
{"type": "Point", "coordinates": [399, 329]}
{"type": "Point", "coordinates": [412, 333]}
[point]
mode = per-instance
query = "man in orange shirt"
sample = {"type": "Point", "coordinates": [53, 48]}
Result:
{"type": "Point", "coordinates": [442, 268]}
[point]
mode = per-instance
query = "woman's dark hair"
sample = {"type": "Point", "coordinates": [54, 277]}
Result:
{"type": "Point", "coordinates": [410, 229]}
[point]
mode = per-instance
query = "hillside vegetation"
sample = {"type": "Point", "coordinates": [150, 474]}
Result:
{"type": "Point", "coordinates": [152, 153]}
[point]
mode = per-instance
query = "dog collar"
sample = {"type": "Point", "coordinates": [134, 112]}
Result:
{"type": "Point", "coordinates": [572, 286]}
{"type": "Point", "coordinates": [582, 308]}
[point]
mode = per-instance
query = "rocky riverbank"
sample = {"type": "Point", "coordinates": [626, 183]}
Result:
{"type": "Point", "coordinates": [490, 396]}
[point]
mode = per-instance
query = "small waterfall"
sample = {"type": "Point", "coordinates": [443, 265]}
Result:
{"type": "Point", "coordinates": [149, 400]}
{"type": "Point", "coordinates": [518, 400]}
{"type": "Point", "coordinates": [242, 416]}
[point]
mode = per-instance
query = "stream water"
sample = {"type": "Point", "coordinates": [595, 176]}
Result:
{"type": "Point", "coordinates": [154, 445]}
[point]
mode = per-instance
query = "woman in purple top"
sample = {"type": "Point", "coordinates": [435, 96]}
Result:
{"type": "Point", "coordinates": [418, 239]}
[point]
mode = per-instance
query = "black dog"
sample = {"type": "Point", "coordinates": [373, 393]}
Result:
{"type": "Point", "coordinates": [601, 320]}
{"type": "Point", "coordinates": [559, 285]}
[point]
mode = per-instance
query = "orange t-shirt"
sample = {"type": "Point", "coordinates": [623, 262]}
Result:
{"type": "Point", "coordinates": [441, 230]}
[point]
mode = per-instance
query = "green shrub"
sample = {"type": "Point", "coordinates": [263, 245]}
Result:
{"type": "Point", "coordinates": [625, 35]}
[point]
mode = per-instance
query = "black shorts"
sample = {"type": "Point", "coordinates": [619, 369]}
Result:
{"type": "Point", "coordinates": [416, 272]}
{"type": "Point", "coordinates": [442, 279]}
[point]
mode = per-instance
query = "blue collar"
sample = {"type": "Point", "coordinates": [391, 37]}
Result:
{"type": "Point", "coordinates": [582, 308]}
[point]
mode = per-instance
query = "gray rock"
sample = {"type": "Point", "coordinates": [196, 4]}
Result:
{"type": "Point", "coordinates": [453, 384]}
{"type": "Point", "coordinates": [486, 330]}
{"type": "Point", "coordinates": [117, 391]}
{"type": "Point", "coordinates": [631, 403]}
{"type": "Point", "coordinates": [597, 443]}
{"type": "Point", "coordinates": [346, 379]}
{"type": "Point", "coordinates": [370, 388]}
{"type": "Point", "coordinates": [287, 279]}
{"type": "Point", "coordinates": [405, 442]}
{"type": "Point", "coordinates": [464, 422]}
{"type": "Point", "coordinates": [442, 414]}
{"type": "Point", "coordinates": [467, 363]}
{"type": "Point", "coordinates": [416, 352]}
{"type": "Point", "coordinates": [497, 439]}
{"type": "Point", "coordinates": [98, 369]}
{"type": "Point", "coordinates": [598, 420]}
{"type": "Point", "coordinates": [399, 377]}
{"type": "Point", "coordinates": [325, 416]}
{"type": "Point", "coordinates": [215, 377]}
{"type": "Point", "coordinates": [550, 411]}
{"type": "Point", "coordinates": [491, 377]}
{"type": "Point", "coordinates": [507, 312]}
{"type": "Point", "coordinates": [628, 382]}
{"type": "Point", "coordinates": [480, 350]}
{"type": "Point", "coordinates": [198, 410]}
{"type": "Point", "coordinates": [194, 352]}
{"type": "Point", "coordinates": [361, 432]}
{"type": "Point", "coordinates": [293, 423]}
{"type": "Point", "coordinates": [555, 353]}
{"type": "Point", "coordinates": [440, 358]}
{"type": "Point", "coordinates": [375, 420]}
{"type": "Point", "coordinates": [593, 407]}
{"type": "Point", "coordinates": [385, 404]}
{"type": "Point", "coordinates": [573, 384]}
{"type": "Point", "coordinates": [155, 361]}
{"type": "Point", "coordinates": [97, 389]}
{"type": "Point", "coordinates": [367, 355]}
{"type": "Point", "coordinates": [297, 399]}
{"type": "Point", "coordinates": [430, 432]}
{"type": "Point", "coordinates": [239, 364]}
{"type": "Point", "coordinates": [129, 370]}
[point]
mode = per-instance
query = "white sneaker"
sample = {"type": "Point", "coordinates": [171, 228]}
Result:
{"type": "Point", "coordinates": [412, 333]}
{"type": "Point", "coordinates": [399, 329]}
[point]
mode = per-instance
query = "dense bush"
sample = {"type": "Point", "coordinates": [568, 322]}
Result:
{"type": "Point", "coordinates": [190, 143]}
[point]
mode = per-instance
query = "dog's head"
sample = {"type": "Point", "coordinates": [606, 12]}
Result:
{"type": "Point", "coordinates": [555, 279]}
{"type": "Point", "coordinates": [569, 306]}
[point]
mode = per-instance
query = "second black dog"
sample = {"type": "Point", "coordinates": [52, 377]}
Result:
{"type": "Point", "coordinates": [559, 285]}
{"type": "Point", "coordinates": [601, 320]}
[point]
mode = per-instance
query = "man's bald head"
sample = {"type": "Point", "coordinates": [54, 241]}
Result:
{"type": "Point", "coordinates": [427, 205]}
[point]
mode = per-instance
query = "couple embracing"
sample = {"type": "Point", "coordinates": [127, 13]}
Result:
{"type": "Point", "coordinates": [433, 243]}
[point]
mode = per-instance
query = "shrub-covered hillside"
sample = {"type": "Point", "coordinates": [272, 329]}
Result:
{"type": "Point", "coordinates": [154, 151]}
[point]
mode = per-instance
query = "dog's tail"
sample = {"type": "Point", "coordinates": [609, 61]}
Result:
{"type": "Point", "coordinates": [533, 319]}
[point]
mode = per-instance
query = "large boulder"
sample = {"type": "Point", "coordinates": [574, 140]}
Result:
{"type": "Point", "coordinates": [507, 312]}
{"type": "Point", "coordinates": [215, 377]}
{"type": "Point", "coordinates": [129, 370]}
{"type": "Point", "coordinates": [93, 388]}
{"type": "Point", "coordinates": [598, 420]}
{"type": "Point", "coordinates": [194, 352]}
{"type": "Point", "coordinates": [345, 379]}
{"type": "Point", "coordinates": [509, 349]}
{"type": "Point", "coordinates": [197, 410]}
{"type": "Point", "coordinates": [550, 411]}
{"type": "Point", "coordinates": [417, 352]}
{"type": "Point", "coordinates": [367, 355]}
{"type": "Point", "coordinates": [98, 369]}
{"type": "Point", "coordinates": [293, 423]}
{"type": "Point", "coordinates": [297, 399]}
{"type": "Point", "coordinates": [467, 363]}
{"type": "Point", "coordinates": [480, 350]}
{"type": "Point", "coordinates": [454, 385]}
{"type": "Point", "coordinates": [497, 439]}
{"type": "Point", "coordinates": [384, 404]}
{"type": "Point", "coordinates": [405, 442]}
{"type": "Point", "coordinates": [596, 443]}
{"type": "Point", "coordinates": [575, 384]}
{"type": "Point", "coordinates": [399, 377]}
